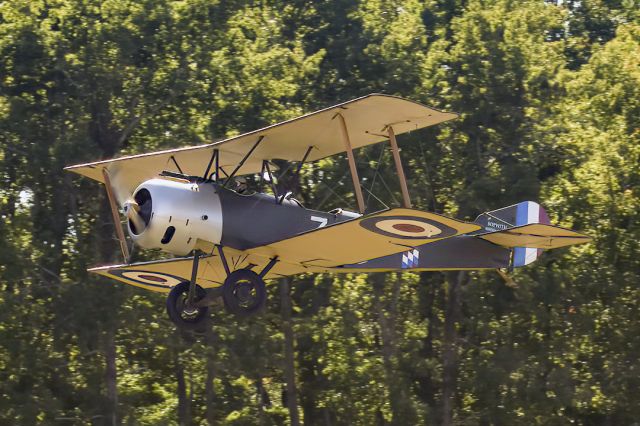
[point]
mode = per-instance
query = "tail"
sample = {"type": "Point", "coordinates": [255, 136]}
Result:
{"type": "Point", "coordinates": [524, 213]}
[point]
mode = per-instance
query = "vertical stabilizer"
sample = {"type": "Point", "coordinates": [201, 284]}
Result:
{"type": "Point", "coordinates": [524, 213]}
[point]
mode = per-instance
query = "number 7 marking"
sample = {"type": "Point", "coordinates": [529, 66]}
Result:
{"type": "Point", "coordinates": [321, 220]}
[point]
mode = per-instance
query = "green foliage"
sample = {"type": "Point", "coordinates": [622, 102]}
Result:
{"type": "Point", "coordinates": [549, 101]}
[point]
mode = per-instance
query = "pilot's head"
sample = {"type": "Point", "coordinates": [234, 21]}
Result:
{"type": "Point", "coordinates": [241, 185]}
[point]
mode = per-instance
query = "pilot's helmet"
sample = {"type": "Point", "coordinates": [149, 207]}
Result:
{"type": "Point", "coordinates": [241, 184]}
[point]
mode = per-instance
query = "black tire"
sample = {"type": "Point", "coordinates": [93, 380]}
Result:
{"type": "Point", "coordinates": [244, 293]}
{"type": "Point", "coordinates": [189, 319]}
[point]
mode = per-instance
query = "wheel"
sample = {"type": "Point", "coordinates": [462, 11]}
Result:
{"type": "Point", "coordinates": [244, 292]}
{"type": "Point", "coordinates": [190, 318]}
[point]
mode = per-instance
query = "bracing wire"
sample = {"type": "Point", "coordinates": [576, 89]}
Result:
{"type": "Point", "coordinates": [430, 195]}
{"type": "Point", "coordinates": [374, 196]}
{"type": "Point", "coordinates": [375, 175]}
{"type": "Point", "coordinates": [331, 191]}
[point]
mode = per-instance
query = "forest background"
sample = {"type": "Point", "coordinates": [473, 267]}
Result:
{"type": "Point", "coordinates": [549, 99]}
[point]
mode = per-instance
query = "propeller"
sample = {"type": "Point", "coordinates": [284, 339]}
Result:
{"type": "Point", "coordinates": [133, 206]}
{"type": "Point", "coordinates": [136, 208]}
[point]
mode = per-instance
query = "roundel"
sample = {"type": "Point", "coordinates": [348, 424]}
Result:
{"type": "Point", "coordinates": [407, 227]}
{"type": "Point", "coordinates": [153, 279]}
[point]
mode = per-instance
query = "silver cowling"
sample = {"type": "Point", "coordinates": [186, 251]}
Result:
{"type": "Point", "coordinates": [174, 215]}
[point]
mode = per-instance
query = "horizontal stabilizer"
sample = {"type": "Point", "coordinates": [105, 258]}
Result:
{"type": "Point", "coordinates": [536, 235]}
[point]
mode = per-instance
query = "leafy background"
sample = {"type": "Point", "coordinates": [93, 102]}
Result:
{"type": "Point", "coordinates": [549, 97]}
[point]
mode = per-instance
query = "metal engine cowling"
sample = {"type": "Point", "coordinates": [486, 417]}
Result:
{"type": "Point", "coordinates": [176, 214]}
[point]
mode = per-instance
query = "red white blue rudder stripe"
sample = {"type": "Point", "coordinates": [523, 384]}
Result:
{"type": "Point", "coordinates": [528, 212]}
{"type": "Point", "coordinates": [524, 213]}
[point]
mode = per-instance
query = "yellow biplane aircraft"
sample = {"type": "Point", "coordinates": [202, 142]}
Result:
{"type": "Point", "coordinates": [191, 202]}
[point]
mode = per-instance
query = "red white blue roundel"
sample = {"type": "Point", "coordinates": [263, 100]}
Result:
{"type": "Point", "coordinates": [153, 279]}
{"type": "Point", "coordinates": [407, 227]}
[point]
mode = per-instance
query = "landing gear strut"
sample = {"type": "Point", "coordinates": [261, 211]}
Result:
{"type": "Point", "coordinates": [182, 304]}
{"type": "Point", "coordinates": [243, 292]}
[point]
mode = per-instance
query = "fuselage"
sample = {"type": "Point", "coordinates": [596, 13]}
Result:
{"type": "Point", "coordinates": [179, 215]}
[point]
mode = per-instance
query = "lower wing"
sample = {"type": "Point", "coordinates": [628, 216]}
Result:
{"type": "Point", "coordinates": [364, 238]}
{"type": "Point", "coordinates": [368, 237]}
{"type": "Point", "coordinates": [160, 276]}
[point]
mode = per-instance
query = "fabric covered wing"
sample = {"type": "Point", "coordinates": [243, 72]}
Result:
{"type": "Point", "coordinates": [536, 235]}
{"type": "Point", "coordinates": [365, 238]}
{"type": "Point", "coordinates": [161, 275]}
{"type": "Point", "coordinates": [366, 119]}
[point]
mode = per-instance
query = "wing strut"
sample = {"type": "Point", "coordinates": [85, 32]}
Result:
{"type": "Point", "coordinates": [352, 164]}
{"type": "Point", "coordinates": [301, 163]}
{"type": "Point", "coordinates": [215, 156]}
{"type": "Point", "coordinates": [266, 169]}
{"type": "Point", "coordinates": [406, 201]}
{"type": "Point", "coordinates": [255, 145]}
{"type": "Point", "coordinates": [116, 216]}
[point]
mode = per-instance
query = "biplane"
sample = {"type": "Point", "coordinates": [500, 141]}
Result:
{"type": "Point", "coordinates": [226, 243]}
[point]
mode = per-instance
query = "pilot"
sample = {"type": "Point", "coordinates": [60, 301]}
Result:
{"type": "Point", "coordinates": [241, 185]}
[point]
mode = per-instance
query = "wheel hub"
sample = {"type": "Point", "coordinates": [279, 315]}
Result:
{"type": "Point", "coordinates": [244, 292]}
{"type": "Point", "coordinates": [190, 310]}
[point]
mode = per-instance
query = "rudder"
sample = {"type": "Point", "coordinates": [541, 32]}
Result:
{"type": "Point", "coordinates": [524, 213]}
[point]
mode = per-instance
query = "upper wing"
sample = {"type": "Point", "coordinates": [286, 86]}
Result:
{"type": "Point", "coordinates": [536, 235]}
{"type": "Point", "coordinates": [366, 119]}
{"type": "Point", "coordinates": [365, 238]}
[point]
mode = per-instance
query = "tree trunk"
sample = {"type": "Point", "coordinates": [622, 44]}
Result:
{"type": "Point", "coordinates": [386, 312]}
{"type": "Point", "coordinates": [263, 399]}
{"type": "Point", "coordinates": [427, 295]}
{"type": "Point", "coordinates": [289, 363]}
{"type": "Point", "coordinates": [184, 406]}
{"type": "Point", "coordinates": [111, 377]}
{"type": "Point", "coordinates": [210, 393]}
{"type": "Point", "coordinates": [450, 346]}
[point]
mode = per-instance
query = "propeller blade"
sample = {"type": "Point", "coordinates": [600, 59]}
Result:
{"type": "Point", "coordinates": [116, 217]}
{"type": "Point", "coordinates": [119, 185]}
{"type": "Point", "coordinates": [132, 210]}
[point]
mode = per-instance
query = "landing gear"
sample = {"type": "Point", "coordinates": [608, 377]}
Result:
{"type": "Point", "coordinates": [182, 312]}
{"type": "Point", "coordinates": [244, 292]}
{"type": "Point", "coordinates": [187, 302]}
